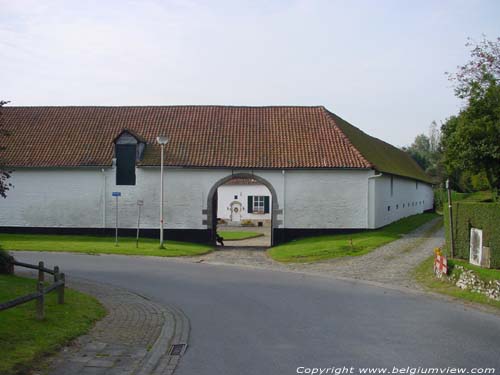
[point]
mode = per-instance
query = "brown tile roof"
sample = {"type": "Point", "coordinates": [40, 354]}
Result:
{"type": "Point", "coordinates": [243, 181]}
{"type": "Point", "coordinates": [200, 136]}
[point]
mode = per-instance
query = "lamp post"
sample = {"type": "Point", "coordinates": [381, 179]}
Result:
{"type": "Point", "coordinates": [162, 141]}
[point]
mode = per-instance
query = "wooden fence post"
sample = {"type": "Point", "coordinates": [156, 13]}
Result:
{"type": "Point", "coordinates": [60, 291]}
{"type": "Point", "coordinates": [56, 273]}
{"type": "Point", "coordinates": [41, 274]}
{"type": "Point", "coordinates": [40, 302]}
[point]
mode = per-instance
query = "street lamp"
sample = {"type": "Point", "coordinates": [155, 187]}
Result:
{"type": "Point", "coordinates": [162, 141]}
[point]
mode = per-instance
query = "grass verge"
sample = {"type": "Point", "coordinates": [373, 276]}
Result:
{"type": "Point", "coordinates": [326, 247]}
{"type": "Point", "coordinates": [234, 235]}
{"type": "Point", "coordinates": [25, 340]}
{"type": "Point", "coordinates": [424, 275]}
{"type": "Point", "coordinates": [99, 245]}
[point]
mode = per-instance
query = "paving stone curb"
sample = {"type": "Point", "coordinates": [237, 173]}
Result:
{"type": "Point", "coordinates": [134, 338]}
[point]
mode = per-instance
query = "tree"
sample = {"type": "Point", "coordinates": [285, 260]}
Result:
{"type": "Point", "coordinates": [473, 78]}
{"type": "Point", "coordinates": [471, 140]}
{"type": "Point", "coordinates": [426, 152]}
{"type": "Point", "coordinates": [4, 173]}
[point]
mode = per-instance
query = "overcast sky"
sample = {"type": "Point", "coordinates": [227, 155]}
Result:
{"type": "Point", "coordinates": [378, 64]}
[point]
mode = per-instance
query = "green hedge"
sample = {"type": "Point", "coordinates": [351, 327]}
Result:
{"type": "Point", "coordinates": [466, 215]}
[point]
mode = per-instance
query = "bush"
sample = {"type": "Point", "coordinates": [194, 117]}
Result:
{"type": "Point", "coordinates": [5, 262]}
{"type": "Point", "coordinates": [467, 215]}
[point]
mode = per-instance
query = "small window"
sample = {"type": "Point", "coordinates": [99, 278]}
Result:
{"type": "Point", "coordinates": [125, 164]}
{"type": "Point", "coordinates": [403, 205]}
{"type": "Point", "coordinates": [235, 197]}
{"type": "Point", "coordinates": [388, 208]}
{"type": "Point", "coordinates": [416, 185]}
{"type": "Point", "coordinates": [258, 204]}
{"type": "Point", "coordinates": [397, 207]}
{"type": "Point", "coordinates": [392, 186]}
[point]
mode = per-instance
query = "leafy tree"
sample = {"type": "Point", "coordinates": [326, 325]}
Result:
{"type": "Point", "coordinates": [425, 151]}
{"type": "Point", "coordinates": [473, 78]}
{"type": "Point", "coordinates": [4, 173]}
{"type": "Point", "coordinates": [471, 140]}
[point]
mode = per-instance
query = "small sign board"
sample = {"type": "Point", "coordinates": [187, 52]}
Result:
{"type": "Point", "coordinates": [476, 246]}
{"type": "Point", "coordinates": [440, 265]}
{"type": "Point", "coordinates": [116, 194]}
{"type": "Point", "coordinates": [140, 202]}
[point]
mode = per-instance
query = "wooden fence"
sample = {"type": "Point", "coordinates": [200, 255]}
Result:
{"type": "Point", "coordinates": [58, 285]}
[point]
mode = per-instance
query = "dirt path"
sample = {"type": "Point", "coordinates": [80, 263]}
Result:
{"type": "Point", "coordinates": [390, 264]}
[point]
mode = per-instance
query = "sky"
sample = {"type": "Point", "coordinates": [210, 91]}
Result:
{"type": "Point", "coordinates": [378, 64]}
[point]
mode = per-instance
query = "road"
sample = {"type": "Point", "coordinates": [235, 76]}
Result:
{"type": "Point", "coordinates": [256, 321]}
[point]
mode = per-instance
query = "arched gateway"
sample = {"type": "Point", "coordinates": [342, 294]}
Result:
{"type": "Point", "coordinates": [212, 203]}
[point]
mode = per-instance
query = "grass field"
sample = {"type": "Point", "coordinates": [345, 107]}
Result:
{"type": "Point", "coordinates": [99, 245]}
{"type": "Point", "coordinates": [425, 276]}
{"type": "Point", "coordinates": [24, 340]}
{"type": "Point", "coordinates": [334, 246]}
{"type": "Point", "coordinates": [234, 235]}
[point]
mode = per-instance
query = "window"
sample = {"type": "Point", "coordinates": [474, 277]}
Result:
{"type": "Point", "coordinates": [397, 207]}
{"type": "Point", "coordinates": [235, 197]}
{"type": "Point", "coordinates": [392, 185]}
{"type": "Point", "coordinates": [125, 164]}
{"type": "Point", "coordinates": [388, 208]}
{"type": "Point", "coordinates": [128, 149]}
{"type": "Point", "coordinates": [416, 185]}
{"type": "Point", "coordinates": [258, 204]}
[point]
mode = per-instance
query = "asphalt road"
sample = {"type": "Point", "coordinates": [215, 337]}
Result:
{"type": "Point", "coordinates": [250, 321]}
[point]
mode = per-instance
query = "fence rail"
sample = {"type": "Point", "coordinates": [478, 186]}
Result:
{"type": "Point", "coordinates": [58, 284]}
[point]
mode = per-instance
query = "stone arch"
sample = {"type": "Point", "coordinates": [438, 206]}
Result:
{"type": "Point", "coordinates": [212, 208]}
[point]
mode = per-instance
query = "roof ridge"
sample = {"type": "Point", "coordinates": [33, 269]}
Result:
{"type": "Point", "coordinates": [167, 106]}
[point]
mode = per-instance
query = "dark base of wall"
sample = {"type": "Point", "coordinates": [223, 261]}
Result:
{"type": "Point", "coordinates": [282, 235]}
{"type": "Point", "coordinates": [189, 235]}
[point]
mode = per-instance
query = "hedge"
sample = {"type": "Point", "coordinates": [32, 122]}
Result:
{"type": "Point", "coordinates": [467, 215]}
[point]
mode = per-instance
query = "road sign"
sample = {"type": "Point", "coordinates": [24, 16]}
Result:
{"type": "Point", "coordinates": [116, 194]}
{"type": "Point", "coordinates": [440, 265]}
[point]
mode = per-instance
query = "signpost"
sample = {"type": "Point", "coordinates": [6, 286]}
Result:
{"type": "Point", "coordinates": [140, 203]}
{"type": "Point", "coordinates": [116, 194]}
{"type": "Point", "coordinates": [452, 249]}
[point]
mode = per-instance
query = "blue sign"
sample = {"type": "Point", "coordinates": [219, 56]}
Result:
{"type": "Point", "coordinates": [116, 194]}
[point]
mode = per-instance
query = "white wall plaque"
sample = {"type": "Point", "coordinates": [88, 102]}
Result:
{"type": "Point", "coordinates": [476, 246]}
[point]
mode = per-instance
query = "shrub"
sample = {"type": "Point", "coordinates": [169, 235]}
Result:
{"type": "Point", "coordinates": [467, 215]}
{"type": "Point", "coordinates": [5, 262]}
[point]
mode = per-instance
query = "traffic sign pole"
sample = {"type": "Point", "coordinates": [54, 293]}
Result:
{"type": "Point", "coordinates": [116, 194]}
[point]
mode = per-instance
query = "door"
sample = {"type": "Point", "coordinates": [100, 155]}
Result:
{"type": "Point", "coordinates": [236, 212]}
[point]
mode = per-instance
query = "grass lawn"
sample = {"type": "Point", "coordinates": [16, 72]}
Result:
{"type": "Point", "coordinates": [24, 340]}
{"type": "Point", "coordinates": [425, 276]}
{"type": "Point", "coordinates": [233, 235]}
{"type": "Point", "coordinates": [334, 246]}
{"type": "Point", "coordinates": [99, 245]}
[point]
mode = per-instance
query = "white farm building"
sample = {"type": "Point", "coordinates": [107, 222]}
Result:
{"type": "Point", "coordinates": [244, 200]}
{"type": "Point", "coordinates": [323, 174]}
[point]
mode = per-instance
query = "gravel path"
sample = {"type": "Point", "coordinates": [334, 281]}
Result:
{"type": "Point", "coordinates": [390, 264]}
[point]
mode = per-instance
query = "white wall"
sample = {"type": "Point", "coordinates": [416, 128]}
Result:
{"type": "Point", "coordinates": [407, 198]}
{"type": "Point", "coordinates": [326, 199]}
{"type": "Point", "coordinates": [226, 194]}
{"type": "Point", "coordinates": [308, 198]}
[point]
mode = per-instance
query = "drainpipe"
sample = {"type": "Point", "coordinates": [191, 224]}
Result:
{"type": "Point", "coordinates": [103, 198]}
{"type": "Point", "coordinates": [283, 172]}
{"type": "Point", "coordinates": [371, 211]}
